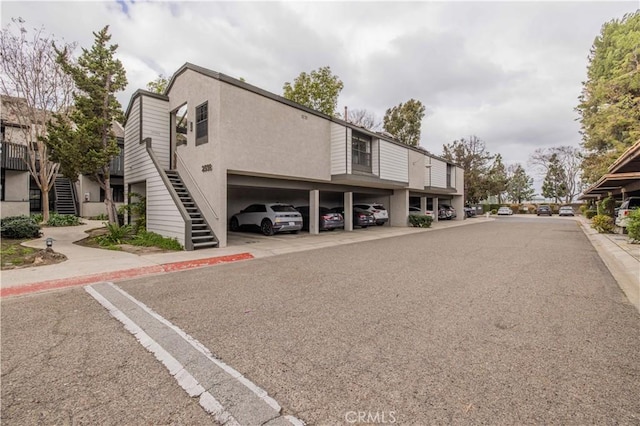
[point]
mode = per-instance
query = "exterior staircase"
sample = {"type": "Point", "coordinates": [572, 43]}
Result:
{"type": "Point", "coordinates": [65, 199]}
{"type": "Point", "coordinates": [201, 234]}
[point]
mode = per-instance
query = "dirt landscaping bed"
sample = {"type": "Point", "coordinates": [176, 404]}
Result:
{"type": "Point", "coordinates": [15, 255]}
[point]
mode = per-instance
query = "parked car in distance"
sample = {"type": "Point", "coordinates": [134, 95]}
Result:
{"type": "Point", "coordinates": [451, 209]}
{"type": "Point", "coordinates": [469, 212]}
{"type": "Point", "coordinates": [625, 210]}
{"type": "Point", "coordinates": [505, 211]}
{"type": "Point", "coordinates": [378, 211]}
{"type": "Point", "coordinates": [327, 219]}
{"type": "Point", "coordinates": [416, 211]}
{"type": "Point", "coordinates": [566, 211]}
{"type": "Point", "coordinates": [544, 209]}
{"type": "Point", "coordinates": [361, 218]}
{"type": "Point", "coordinates": [269, 218]}
{"type": "Point", "coordinates": [444, 213]}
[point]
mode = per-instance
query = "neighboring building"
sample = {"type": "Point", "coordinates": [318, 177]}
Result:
{"type": "Point", "coordinates": [20, 193]}
{"type": "Point", "coordinates": [245, 145]}
{"type": "Point", "coordinates": [622, 179]}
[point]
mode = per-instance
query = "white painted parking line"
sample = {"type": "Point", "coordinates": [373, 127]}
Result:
{"type": "Point", "coordinates": [223, 392]}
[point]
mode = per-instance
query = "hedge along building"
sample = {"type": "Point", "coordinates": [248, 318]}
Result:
{"type": "Point", "coordinates": [211, 145]}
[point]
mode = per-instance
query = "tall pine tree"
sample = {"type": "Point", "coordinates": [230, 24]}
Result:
{"type": "Point", "coordinates": [86, 144]}
{"type": "Point", "coordinates": [554, 181]}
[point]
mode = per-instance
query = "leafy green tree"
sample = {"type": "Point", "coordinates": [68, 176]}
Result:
{"type": "Point", "coordinates": [159, 85]}
{"type": "Point", "coordinates": [85, 144]}
{"type": "Point", "coordinates": [318, 90]}
{"type": "Point", "coordinates": [610, 100]}
{"type": "Point", "coordinates": [553, 185]}
{"type": "Point", "coordinates": [520, 186]}
{"type": "Point", "coordinates": [404, 121]}
{"type": "Point", "coordinates": [497, 179]}
{"type": "Point", "coordinates": [470, 154]}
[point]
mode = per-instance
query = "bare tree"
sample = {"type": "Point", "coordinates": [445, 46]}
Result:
{"type": "Point", "coordinates": [570, 160]}
{"type": "Point", "coordinates": [364, 118]}
{"type": "Point", "coordinates": [33, 86]}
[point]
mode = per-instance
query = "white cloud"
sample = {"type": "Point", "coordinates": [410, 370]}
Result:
{"type": "Point", "coordinates": [508, 72]}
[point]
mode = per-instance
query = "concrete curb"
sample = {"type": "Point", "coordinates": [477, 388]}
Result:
{"type": "Point", "coordinates": [120, 275]}
{"type": "Point", "coordinates": [622, 265]}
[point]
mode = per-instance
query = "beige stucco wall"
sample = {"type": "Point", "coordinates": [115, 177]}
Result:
{"type": "Point", "coordinates": [16, 185]}
{"type": "Point", "coordinates": [264, 136]}
{"type": "Point", "coordinates": [417, 169]}
{"type": "Point", "coordinates": [194, 89]}
{"type": "Point", "coordinates": [14, 208]}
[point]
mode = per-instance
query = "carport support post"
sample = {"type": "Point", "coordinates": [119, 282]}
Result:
{"type": "Point", "coordinates": [348, 211]}
{"type": "Point", "coordinates": [423, 205]}
{"type": "Point", "coordinates": [399, 213]}
{"type": "Point", "coordinates": [314, 201]}
{"type": "Point", "coordinates": [435, 208]}
{"type": "Point", "coordinates": [458, 204]}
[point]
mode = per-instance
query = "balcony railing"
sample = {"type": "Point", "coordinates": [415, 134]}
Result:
{"type": "Point", "coordinates": [14, 156]}
{"type": "Point", "coordinates": [116, 168]}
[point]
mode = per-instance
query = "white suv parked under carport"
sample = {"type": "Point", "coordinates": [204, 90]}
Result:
{"type": "Point", "coordinates": [270, 218]}
{"type": "Point", "coordinates": [379, 212]}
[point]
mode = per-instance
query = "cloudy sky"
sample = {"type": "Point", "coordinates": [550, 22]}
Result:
{"type": "Point", "coordinates": [508, 72]}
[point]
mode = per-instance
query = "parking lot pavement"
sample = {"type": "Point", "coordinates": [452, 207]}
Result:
{"type": "Point", "coordinates": [507, 322]}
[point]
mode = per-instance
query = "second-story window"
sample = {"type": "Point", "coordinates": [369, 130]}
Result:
{"type": "Point", "coordinates": [202, 124]}
{"type": "Point", "coordinates": [361, 152]}
{"type": "Point", "coordinates": [449, 171]}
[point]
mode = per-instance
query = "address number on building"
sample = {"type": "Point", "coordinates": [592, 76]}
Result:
{"type": "Point", "coordinates": [207, 168]}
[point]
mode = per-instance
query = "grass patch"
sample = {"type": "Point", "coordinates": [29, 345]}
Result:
{"type": "Point", "coordinates": [151, 239]}
{"type": "Point", "coordinates": [13, 254]}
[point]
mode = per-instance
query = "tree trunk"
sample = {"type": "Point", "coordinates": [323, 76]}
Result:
{"type": "Point", "coordinates": [108, 201]}
{"type": "Point", "coordinates": [45, 204]}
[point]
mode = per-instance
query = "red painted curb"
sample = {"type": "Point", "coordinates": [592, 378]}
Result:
{"type": "Point", "coordinates": [120, 275]}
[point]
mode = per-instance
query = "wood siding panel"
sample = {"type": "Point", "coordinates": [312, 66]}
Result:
{"type": "Point", "coordinates": [163, 216]}
{"type": "Point", "coordinates": [438, 173]}
{"type": "Point", "coordinates": [375, 157]}
{"type": "Point", "coordinates": [155, 116]}
{"type": "Point", "coordinates": [394, 162]}
{"type": "Point", "coordinates": [338, 149]}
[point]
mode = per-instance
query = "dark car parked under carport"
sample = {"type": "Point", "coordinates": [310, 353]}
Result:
{"type": "Point", "coordinates": [328, 220]}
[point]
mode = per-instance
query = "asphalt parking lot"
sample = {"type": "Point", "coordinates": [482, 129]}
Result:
{"type": "Point", "coordinates": [503, 322]}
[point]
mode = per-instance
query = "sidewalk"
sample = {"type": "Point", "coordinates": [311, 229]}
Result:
{"type": "Point", "coordinates": [621, 257]}
{"type": "Point", "coordinates": [85, 265]}
{"type": "Point", "coordinates": [88, 265]}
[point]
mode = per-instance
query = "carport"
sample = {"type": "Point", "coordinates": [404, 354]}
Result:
{"type": "Point", "coordinates": [244, 190]}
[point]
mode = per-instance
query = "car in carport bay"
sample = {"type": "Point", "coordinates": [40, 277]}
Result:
{"type": "Point", "coordinates": [361, 218]}
{"type": "Point", "coordinates": [269, 218]}
{"type": "Point", "coordinates": [327, 219]}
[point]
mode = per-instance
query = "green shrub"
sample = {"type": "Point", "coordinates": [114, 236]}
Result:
{"type": "Point", "coordinates": [602, 223]}
{"type": "Point", "coordinates": [19, 227]}
{"type": "Point", "coordinates": [56, 219]}
{"type": "Point", "coordinates": [136, 208]}
{"type": "Point", "coordinates": [116, 234]}
{"type": "Point", "coordinates": [420, 221]}
{"type": "Point", "coordinates": [101, 216]}
{"type": "Point", "coordinates": [583, 208]}
{"type": "Point", "coordinates": [589, 214]}
{"type": "Point", "coordinates": [633, 226]}
{"type": "Point", "coordinates": [37, 218]}
{"type": "Point", "coordinates": [607, 206]}
{"type": "Point", "coordinates": [151, 239]}
{"type": "Point", "coordinates": [494, 211]}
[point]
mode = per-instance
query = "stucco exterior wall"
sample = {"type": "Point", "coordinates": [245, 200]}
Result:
{"type": "Point", "coordinates": [193, 89]}
{"type": "Point", "coordinates": [14, 208]}
{"type": "Point", "coordinates": [267, 137]}
{"type": "Point", "coordinates": [417, 169]}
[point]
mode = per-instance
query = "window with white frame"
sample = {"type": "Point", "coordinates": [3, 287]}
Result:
{"type": "Point", "coordinates": [202, 123]}
{"type": "Point", "coordinates": [361, 152]}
